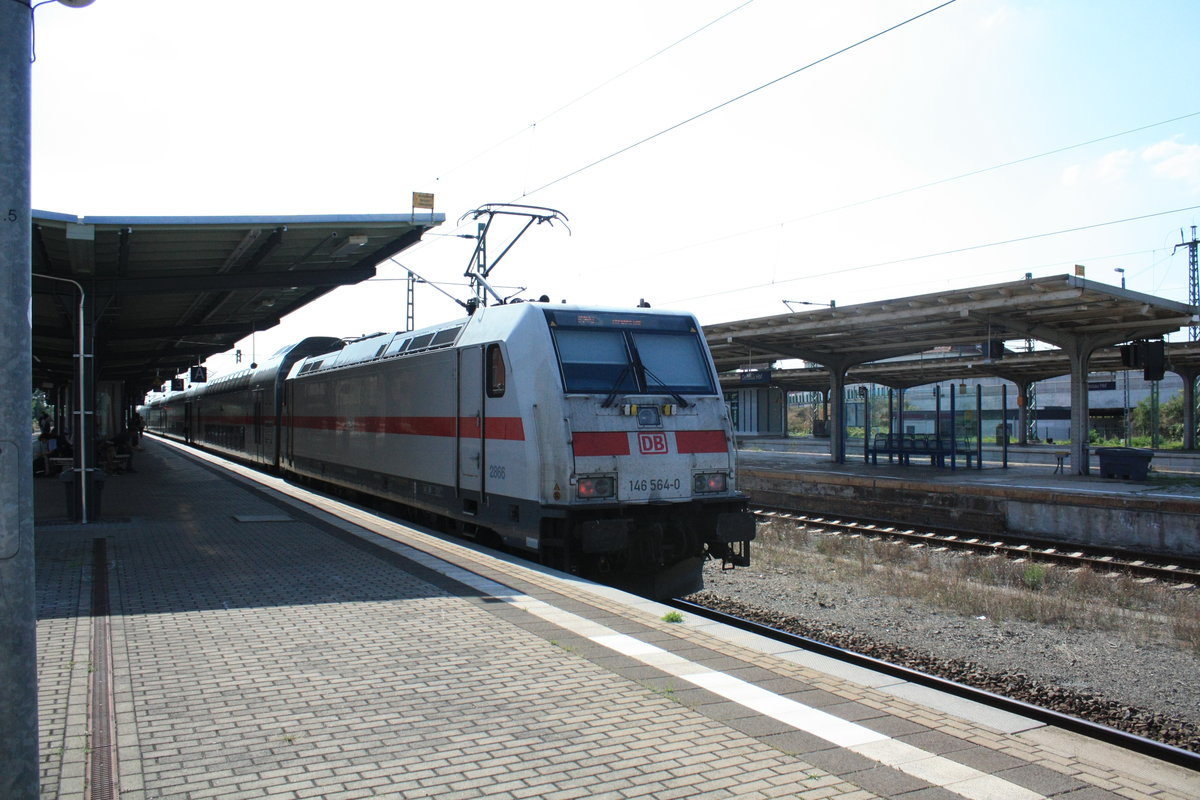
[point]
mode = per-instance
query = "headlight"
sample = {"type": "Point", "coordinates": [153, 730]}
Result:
{"type": "Point", "coordinates": [704, 482]}
{"type": "Point", "coordinates": [592, 488]}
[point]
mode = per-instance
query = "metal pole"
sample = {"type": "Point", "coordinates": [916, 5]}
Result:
{"type": "Point", "coordinates": [1155, 439]}
{"type": "Point", "coordinates": [979, 426]}
{"type": "Point", "coordinates": [18, 629]}
{"type": "Point", "coordinates": [1128, 431]}
{"type": "Point", "coordinates": [1125, 375]}
{"type": "Point", "coordinates": [893, 424]}
{"type": "Point", "coordinates": [866, 398]}
{"type": "Point", "coordinates": [82, 470]}
{"type": "Point", "coordinates": [937, 410]}
{"type": "Point", "coordinates": [1004, 422]}
{"type": "Point", "coordinates": [953, 428]}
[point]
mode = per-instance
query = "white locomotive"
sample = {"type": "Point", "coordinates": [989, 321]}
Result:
{"type": "Point", "coordinates": [595, 439]}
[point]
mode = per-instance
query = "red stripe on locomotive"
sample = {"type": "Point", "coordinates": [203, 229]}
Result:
{"type": "Point", "coordinates": [600, 443]}
{"type": "Point", "coordinates": [700, 442]}
{"type": "Point", "coordinates": [503, 428]}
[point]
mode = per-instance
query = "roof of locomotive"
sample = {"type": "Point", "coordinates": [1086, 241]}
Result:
{"type": "Point", "coordinates": [383, 346]}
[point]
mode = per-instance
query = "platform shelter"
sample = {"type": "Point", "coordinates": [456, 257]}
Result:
{"type": "Point", "coordinates": [1080, 320]}
{"type": "Point", "coordinates": [121, 304]}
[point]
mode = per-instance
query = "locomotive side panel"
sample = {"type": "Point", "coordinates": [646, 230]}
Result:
{"type": "Point", "coordinates": [445, 430]}
{"type": "Point", "coordinates": [383, 427]}
{"type": "Point", "coordinates": [525, 445]}
{"type": "Point", "coordinates": [516, 458]}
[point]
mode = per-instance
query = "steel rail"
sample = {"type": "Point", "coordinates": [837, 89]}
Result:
{"type": "Point", "coordinates": [1128, 741]}
{"type": "Point", "coordinates": [1181, 574]}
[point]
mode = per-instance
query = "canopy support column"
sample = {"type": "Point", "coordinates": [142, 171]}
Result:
{"type": "Point", "coordinates": [1189, 375]}
{"type": "Point", "coordinates": [1079, 349]}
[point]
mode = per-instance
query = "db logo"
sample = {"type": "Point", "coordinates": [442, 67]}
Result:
{"type": "Point", "coordinates": [652, 443]}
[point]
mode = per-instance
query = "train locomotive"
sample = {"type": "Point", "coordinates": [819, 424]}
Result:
{"type": "Point", "coordinates": [595, 440]}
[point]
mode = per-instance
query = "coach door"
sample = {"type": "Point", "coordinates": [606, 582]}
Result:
{"type": "Point", "coordinates": [287, 441]}
{"type": "Point", "coordinates": [259, 447]}
{"type": "Point", "coordinates": [470, 422]}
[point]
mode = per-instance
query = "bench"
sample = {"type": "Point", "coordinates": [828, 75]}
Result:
{"type": "Point", "coordinates": [948, 445]}
{"type": "Point", "coordinates": [890, 444]}
{"type": "Point", "coordinates": [906, 445]}
{"type": "Point", "coordinates": [56, 464]}
{"type": "Point", "coordinates": [120, 462]}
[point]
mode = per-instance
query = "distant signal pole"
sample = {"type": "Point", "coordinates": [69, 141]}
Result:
{"type": "Point", "coordinates": [1193, 279]}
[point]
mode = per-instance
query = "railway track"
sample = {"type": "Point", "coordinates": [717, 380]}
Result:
{"type": "Point", "coordinates": [1129, 741]}
{"type": "Point", "coordinates": [1182, 575]}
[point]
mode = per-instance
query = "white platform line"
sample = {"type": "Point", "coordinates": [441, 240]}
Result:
{"type": "Point", "coordinates": [933, 769]}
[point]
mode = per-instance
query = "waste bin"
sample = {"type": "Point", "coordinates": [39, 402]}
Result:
{"type": "Point", "coordinates": [1131, 463]}
{"type": "Point", "coordinates": [95, 493]}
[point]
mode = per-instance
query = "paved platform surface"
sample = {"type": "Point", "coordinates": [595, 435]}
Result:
{"type": "Point", "coordinates": [267, 642]}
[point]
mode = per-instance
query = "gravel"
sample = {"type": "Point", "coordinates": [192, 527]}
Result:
{"type": "Point", "coordinates": [1117, 677]}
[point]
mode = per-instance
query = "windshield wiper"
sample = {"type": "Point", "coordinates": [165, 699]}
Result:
{"type": "Point", "coordinates": [608, 401]}
{"type": "Point", "coordinates": [678, 397]}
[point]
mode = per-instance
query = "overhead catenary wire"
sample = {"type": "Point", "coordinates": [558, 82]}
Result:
{"type": "Point", "coordinates": [741, 96]}
{"type": "Point", "coordinates": [927, 185]}
{"type": "Point", "coordinates": [919, 187]}
{"type": "Point", "coordinates": [954, 251]}
{"type": "Point", "coordinates": [533, 125]}
{"type": "Point", "coordinates": [909, 284]}
{"type": "Point", "coordinates": [705, 113]}
{"type": "Point", "coordinates": [891, 194]}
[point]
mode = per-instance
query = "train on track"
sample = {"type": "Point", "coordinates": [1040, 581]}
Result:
{"type": "Point", "coordinates": [595, 440]}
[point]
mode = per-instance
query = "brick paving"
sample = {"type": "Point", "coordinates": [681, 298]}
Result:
{"type": "Point", "coordinates": [281, 657]}
{"type": "Point", "coordinates": [273, 659]}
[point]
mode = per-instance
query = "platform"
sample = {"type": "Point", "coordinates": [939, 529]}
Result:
{"type": "Point", "coordinates": [268, 642]}
{"type": "Point", "coordinates": [1029, 498]}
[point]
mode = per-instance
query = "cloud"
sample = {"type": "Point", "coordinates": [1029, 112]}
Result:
{"type": "Point", "coordinates": [1115, 165]}
{"type": "Point", "coordinates": [1174, 160]}
{"type": "Point", "coordinates": [1109, 168]}
{"type": "Point", "coordinates": [1170, 159]}
{"type": "Point", "coordinates": [1001, 17]}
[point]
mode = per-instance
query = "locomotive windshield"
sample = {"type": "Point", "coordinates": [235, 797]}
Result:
{"type": "Point", "coordinates": [607, 352]}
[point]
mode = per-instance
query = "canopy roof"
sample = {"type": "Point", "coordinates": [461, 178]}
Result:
{"type": "Point", "coordinates": [164, 293]}
{"type": "Point", "coordinates": [1182, 357]}
{"type": "Point", "coordinates": [1059, 310]}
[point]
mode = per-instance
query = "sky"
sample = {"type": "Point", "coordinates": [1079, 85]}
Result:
{"type": "Point", "coordinates": [718, 156]}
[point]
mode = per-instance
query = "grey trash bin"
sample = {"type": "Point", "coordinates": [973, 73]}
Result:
{"type": "Point", "coordinates": [95, 494]}
{"type": "Point", "coordinates": [1131, 463]}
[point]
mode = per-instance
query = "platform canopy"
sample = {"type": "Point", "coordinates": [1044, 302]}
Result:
{"type": "Point", "coordinates": [163, 293]}
{"type": "Point", "coordinates": [1019, 368]}
{"type": "Point", "coordinates": [1052, 310]}
{"type": "Point", "coordinates": [1077, 316]}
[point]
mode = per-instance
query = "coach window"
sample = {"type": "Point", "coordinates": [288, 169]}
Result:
{"type": "Point", "coordinates": [495, 371]}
